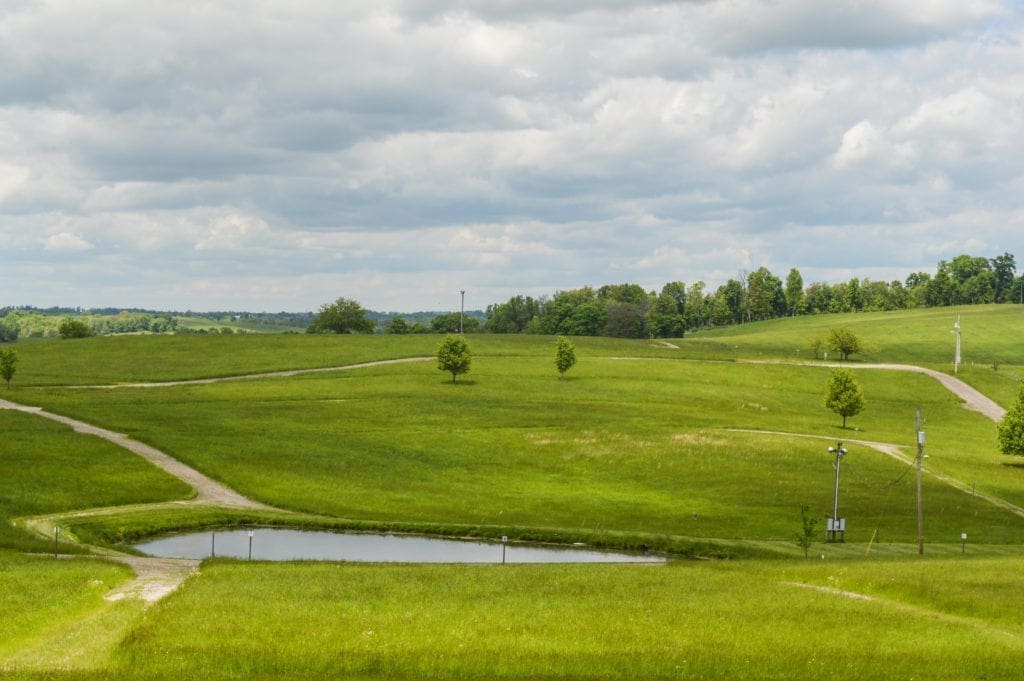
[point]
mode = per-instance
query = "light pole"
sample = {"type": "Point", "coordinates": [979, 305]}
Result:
{"type": "Point", "coordinates": [462, 312]}
{"type": "Point", "coordinates": [837, 525]}
{"type": "Point", "coordinates": [920, 507]}
{"type": "Point", "coordinates": [956, 356]}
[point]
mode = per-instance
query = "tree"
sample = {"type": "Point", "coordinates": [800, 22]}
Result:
{"type": "Point", "coordinates": [453, 356]}
{"type": "Point", "coordinates": [565, 355]}
{"type": "Point", "coordinates": [1011, 428]}
{"type": "Point", "coordinates": [843, 395]}
{"type": "Point", "coordinates": [397, 325]}
{"type": "Point", "coordinates": [806, 536]}
{"type": "Point", "coordinates": [815, 345]}
{"type": "Point", "coordinates": [794, 292]}
{"type": "Point", "coordinates": [73, 328]}
{"type": "Point", "coordinates": [454, 322]}
{"type": "Point", "coordinates": [9, 330]}
{"type": "Point", "coordinates": [341, 316]}
{"type": "Point", "coordinates": [844, 341]}
{"type": "Point", "coordinates": [8, 360]}
{"type": "Point", "coordinates": [1004, 267]}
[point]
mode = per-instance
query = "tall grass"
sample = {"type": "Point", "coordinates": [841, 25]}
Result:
{"type": "Point", "coordinates": [745, 621]}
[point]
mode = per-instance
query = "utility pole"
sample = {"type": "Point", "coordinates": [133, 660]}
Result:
{"type": "Point", "coordinates": [462, 312]}
{"type": "Point", "coordinates": [920, 507]}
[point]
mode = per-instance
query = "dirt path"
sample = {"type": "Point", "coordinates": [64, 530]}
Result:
{"type": "Point", "coordinates": [249, 377]}
{"type": "Point", "coordinates": [154, 577]}
{"type": "Point", "coordinates": [973, 399]}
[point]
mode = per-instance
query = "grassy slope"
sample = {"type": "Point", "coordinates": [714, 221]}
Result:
{"type": "Point", "coordinates": [632, 446]}
{"type": "Point", "coordinates": [48, 468]}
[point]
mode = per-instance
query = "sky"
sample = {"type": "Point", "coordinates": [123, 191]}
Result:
{"type": "Point", "coordinates": [268, 156]}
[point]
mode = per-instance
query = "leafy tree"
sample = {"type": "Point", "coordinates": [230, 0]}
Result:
{"type": "Point", "coordinates": [854, 298]}
{"type": "Point", "coordinates": [1004, 267]}
{"type": "Point", "coordinates": [341, 316]}
{"type": "Point", "coordinates": [397, 325]}
{"type": "Point", "coordinates": [513, 316]}
{"type": "Point", "coordinates": [9, 330]}
{"type": "Point", "coordinates": [1011, 428]}
{"type": "Point", "coordinates": [794, 292]}
{"type": "Point", "coordinates": [843, 395]}
{"type": "Point", "coordinates": [764, 294]}
{"type": "Point", "coordinates": [665, 316]}
{"type": "Point", "coordinates": [806, 535]}
{"type": "Point", "coordinates": [73, 328]}
{"type": "Point", "coordinates": [453, 322]}
{"type": "Point", "coordinates": [625, 320]}
{"type": "Point", "coordinates": [565, 355]}
{"type": "Point", "coordinates": [453, 355]}
{"type": "Point", "coordinates": [844, 341]}
{"type": "Point", "coordinates": [8, 360]}
{"type": "Point", "coordinates": [586, 320]}
{"type": "Point", "coordinates": [815, 345]}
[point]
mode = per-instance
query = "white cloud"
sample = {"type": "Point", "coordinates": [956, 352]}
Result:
{"type": "Point", "coordinates": [66, 241]}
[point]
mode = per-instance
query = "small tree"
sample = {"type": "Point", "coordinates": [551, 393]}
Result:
{"type": "Point", "coordinates": [844, 341]}
{"type": "Point", "coordinates": [8, 360]}
{"type": "Point", "coordinates": [806, 535]}
{"type": "Point", "coordinates": [341, 316]}
{"type": "Point", "coordinates": [453, 356]}
{"type": "Point", "coordinates": [73, 328]}
{"type": "Point", "coordinates": [815, 345]}
{"type": "Point", "coordinates": [843, 395]}
{"type": "Point", "coordinates": [565, 355]}
{"type": "Point", "coordinates": [1011, 428]}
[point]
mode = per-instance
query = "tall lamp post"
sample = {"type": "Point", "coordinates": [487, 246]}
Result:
{"type": "Point", "coordinates": [462, 312]}
{"type": "Point", "coordinates": [956, 356]}
{"type": "Point", "coordinates": [837, 525]}
{"type": "Point", "coordinates": [920, 506]}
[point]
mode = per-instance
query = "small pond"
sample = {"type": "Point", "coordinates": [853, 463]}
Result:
{"type": "Point", "coordinates": [281, 544]}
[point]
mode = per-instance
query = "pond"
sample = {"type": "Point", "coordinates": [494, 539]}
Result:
{"type": "Point", "coordinates": [281, 544]}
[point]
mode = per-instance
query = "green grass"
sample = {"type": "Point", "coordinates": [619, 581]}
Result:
{"type": "Point", "coordinates": [622, 446]}
{"type": "Point", "coordinates": [990, 334]}
{"type": "Point", "coordinates": [46, 467]}
{"type": "Point", "coordinates": [708, 621]}
{"type": "Point", "coordinates": [52, 612]}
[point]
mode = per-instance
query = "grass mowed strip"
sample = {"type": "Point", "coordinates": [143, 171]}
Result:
{"type": "Point", "coordinates": [48, 468]}
{"type": "Point", "coordinates": [712, 621]}
{"type": "Point", "coordinates": [635, 446]}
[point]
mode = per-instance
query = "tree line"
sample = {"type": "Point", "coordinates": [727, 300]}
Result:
{"type": "Point", "coordinates": [629, 311]}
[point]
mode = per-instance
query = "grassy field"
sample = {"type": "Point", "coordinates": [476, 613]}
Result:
{"type": "Point", "coordinates": [633, 447]}
{"type": "Point", "coordinates": [641, 444]}
{"type": "Point", "coordinates": [806, 619]}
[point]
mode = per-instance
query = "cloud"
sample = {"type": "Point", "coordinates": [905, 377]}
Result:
{"type": "Point", "coordinates": [503, 146]}
{"type": "Point", "coordinates": [65, 241]}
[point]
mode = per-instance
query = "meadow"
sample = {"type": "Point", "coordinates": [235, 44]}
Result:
{"type": "Point", "coordinates": [641, 444]}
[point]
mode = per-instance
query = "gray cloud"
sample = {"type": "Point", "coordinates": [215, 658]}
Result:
{"type": "Point", "coordinates": [252, 155]}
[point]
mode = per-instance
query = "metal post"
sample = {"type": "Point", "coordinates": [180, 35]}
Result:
{"type": "Point", "coordinates": [504, 541]}
{"type": "Point", "coordinates": [213, 545]}
{"type": "Point", "coordinates": [836, 524]}
{"type": "Point", "coordinates": [920, 506]}
{"type": "Point", "coordinates": [462, 312]}
{"type": "Point", "coordinates": [56, 535]}
{"type": "Point", "coordinates": [250, 544]}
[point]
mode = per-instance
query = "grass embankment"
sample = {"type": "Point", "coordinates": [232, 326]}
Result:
{"type": "Point", "coordinates": [636, 450]}
{"type": "Point", "coordinates": [711, 621]}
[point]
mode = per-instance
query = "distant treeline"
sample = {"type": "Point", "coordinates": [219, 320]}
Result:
{"type": "Point", "coordinates": [628, 311]}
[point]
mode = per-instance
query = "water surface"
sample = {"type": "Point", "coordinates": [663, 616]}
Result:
{"type": "Point", "coordinates": [282, 544]}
